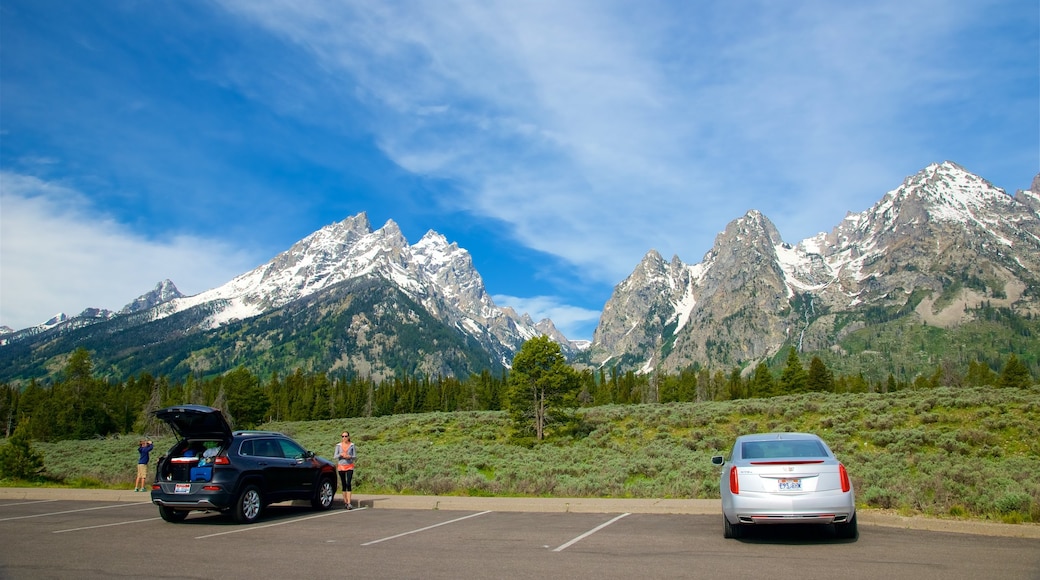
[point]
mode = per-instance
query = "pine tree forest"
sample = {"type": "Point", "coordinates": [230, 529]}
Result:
{"type": "Point", "coordinates": [79, 405]}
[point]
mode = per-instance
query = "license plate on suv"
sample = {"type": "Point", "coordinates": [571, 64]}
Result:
{"type": "Point", "coordinates": [182, 488]}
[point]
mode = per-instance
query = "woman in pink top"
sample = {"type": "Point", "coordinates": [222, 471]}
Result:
{"type": "Point", "coordinates": [345, 455]}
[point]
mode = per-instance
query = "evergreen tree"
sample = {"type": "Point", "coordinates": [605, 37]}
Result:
{"type": "Point", "coordinates": [541, 386]}
{"type": "Point", "coordinates": [980, 375]}
{"type": "Point", "coordinates": [1015, 374]}
{"type": "Point", "coordinates": [735, 385]}
{"type": "Point", "coordinates": [488, 392]}
{"type": "Point", "coordinates": [762, 383]}
{"type": "Point", "coordinates": [890, 384]}
{"type": "Point", "coordinates": [8, 408]}
{"type": "Point", "coordinates": [246, 400]}
{"type": "Point", "coordinates": [220, 403]}
{"type": "Point", "coordinates": [278, 397]}
{"type": "Point", "coordinates": [18, 459]}
{"type": "Point", "coordinates": [793, 379]}
{"type": "Point", "coordinates": [820, 378]}
{"type": "Point", "coordinates": [147, 422]}
{"type": "Point", "coordinates": [322, 398]}
{"type": "Point", "coordinates": [687, 387]}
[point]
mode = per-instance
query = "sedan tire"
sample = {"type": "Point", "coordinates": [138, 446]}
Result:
{"type": "Point", "coordinates": [729, 530]}
{"type": "Point", "coordinates": [248, 505]}
{"type": "Point", "coordinates": [848, 531]}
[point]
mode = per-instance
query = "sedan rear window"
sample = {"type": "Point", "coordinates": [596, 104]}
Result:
{"type": "Point", "coordinates": [781, 448]}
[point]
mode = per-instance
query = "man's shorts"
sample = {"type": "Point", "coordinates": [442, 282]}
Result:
{"type": "Point", "coordinates": [142, 470]}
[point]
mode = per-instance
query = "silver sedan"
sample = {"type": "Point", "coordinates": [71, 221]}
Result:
{"type": "Point", "coordinates": [785, 478]}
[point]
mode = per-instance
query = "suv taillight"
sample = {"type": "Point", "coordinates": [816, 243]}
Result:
{"type": "Point", "coordinates": [734, 484]}
{"type": "Point", "coordinates": [221, 460]}
{"type": "Point", "coordinates": [846, 485]}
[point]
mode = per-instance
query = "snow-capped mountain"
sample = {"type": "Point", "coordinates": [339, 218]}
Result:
{"type": "Point", "coordinates": [436, 275]}
{"type": "Point", "coordinates": [935, 248]}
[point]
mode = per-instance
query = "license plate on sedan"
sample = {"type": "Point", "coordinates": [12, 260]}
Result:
{"type": "Point", "coordinates": [182, 488]}
{"type": "Point", "coordinates": [791, 484]}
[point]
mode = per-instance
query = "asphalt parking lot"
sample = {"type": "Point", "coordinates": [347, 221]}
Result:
{"type": "Point", "coordinates": [112, 534]}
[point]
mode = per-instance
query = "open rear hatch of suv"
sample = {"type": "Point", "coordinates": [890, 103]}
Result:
{"type": "Point", "coordinates": [196, 422]}
{"type": "Point", "coordinates": [204, 435]}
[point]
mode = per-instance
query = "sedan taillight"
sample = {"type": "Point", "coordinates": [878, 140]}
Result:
{"type": "Point", "coordinates": [846, 485]}
{"type": "Point", "coordinates": [734, 483]}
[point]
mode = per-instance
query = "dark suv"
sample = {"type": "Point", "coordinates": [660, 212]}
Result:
{"type": "Point", "coordinates": [213, 468]}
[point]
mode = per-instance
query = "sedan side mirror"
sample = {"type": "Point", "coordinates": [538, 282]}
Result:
{"type": "Point", "coordinates": [718, 460]}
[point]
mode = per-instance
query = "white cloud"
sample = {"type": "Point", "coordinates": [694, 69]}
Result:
{"type": "Point", "coordinates": [58, 249]}
{"type": "Point", "coordinates": [574, 322]}
{"type": "Point", "coordinates": [599, 130]}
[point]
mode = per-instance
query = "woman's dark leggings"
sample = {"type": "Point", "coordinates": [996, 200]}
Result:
{"type": "Point", "coordinates": [346, 479]}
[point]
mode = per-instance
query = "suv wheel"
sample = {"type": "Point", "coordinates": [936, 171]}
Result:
{"type": "Point", "coordinates": [248, 505]}
{"type": "Point", "coordinates": [172, 515]}
{"type": "Point", "coordinates": [326, 494]}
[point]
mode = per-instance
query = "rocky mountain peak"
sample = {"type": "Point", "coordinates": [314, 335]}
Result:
{"type": "Point", "coordinates": [163, 292]}
{"type": "Point", "coordinates": [947, 192]}
{"type": "Point", "coordinates": [1031, 197]}
{"type": "Point", "coordinates": [651, 268]}
{"type": "Point", "coordinates": [943, 228]}
{"type": "Point", "coordinates": [752, 237]}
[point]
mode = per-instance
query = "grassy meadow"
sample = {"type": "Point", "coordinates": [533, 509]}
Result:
{"type": "Point", "coordinates": [947, 452]}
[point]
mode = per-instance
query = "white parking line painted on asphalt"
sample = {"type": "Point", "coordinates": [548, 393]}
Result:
{"type": "Point", "coordinates": [103, 526]}
{"type": "Point", "coordinates": [588, 533]}
{"type": "Point", "coordinates": [283, 522]}
{"type": "Point", "coordinates": [28, 502]}
{"type": "Point", "coordinates": [426, 528]}
{"type": "Point", "coordinates": [104, 507]}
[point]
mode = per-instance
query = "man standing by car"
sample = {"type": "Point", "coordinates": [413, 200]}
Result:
{"type": "Point", "coordinates": [345, 454]}
{"type": "Point", "coordinates": [144, 448]}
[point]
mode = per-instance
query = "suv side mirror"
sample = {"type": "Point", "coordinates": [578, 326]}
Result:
{"type": "Point", "coordinates": [718, 460]}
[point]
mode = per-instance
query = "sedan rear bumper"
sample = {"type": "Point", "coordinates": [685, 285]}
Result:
{"type": "Point", "coordinates": [771, 508]}
{"type": "Point", "coordinates": [795, 519]}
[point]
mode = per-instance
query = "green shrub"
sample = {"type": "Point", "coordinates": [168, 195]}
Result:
{"type": "Point", "coordinates": [1014, 501]}
{"type": "Point", "coordinates": [18, 459]}
{"type": "Point", "coordinates": [881, 498]}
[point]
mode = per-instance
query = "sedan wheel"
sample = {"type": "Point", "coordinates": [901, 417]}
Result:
{"type": "Point", "coordinates": [326, 494]}
{"type": "Point", "coordinates": [247, 508]}
{"type": "Point", "coordinates": [849, 531]}
{"type": "Point", "coordinates": [731, 530]}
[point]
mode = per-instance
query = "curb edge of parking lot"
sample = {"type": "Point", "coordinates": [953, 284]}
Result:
{"type": "Point", "coordinates": [573, 505]}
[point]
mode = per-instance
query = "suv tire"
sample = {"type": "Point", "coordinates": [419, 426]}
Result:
{"type": "Point", "coordinates": [326, 493]}
{"type": "Point", "coordinates": [248, 505]}
{"type": "Point", "coordinates": [172, 515]}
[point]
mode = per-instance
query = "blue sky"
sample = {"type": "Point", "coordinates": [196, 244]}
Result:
{"type": "Point", "coordinates": [558, 141]}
